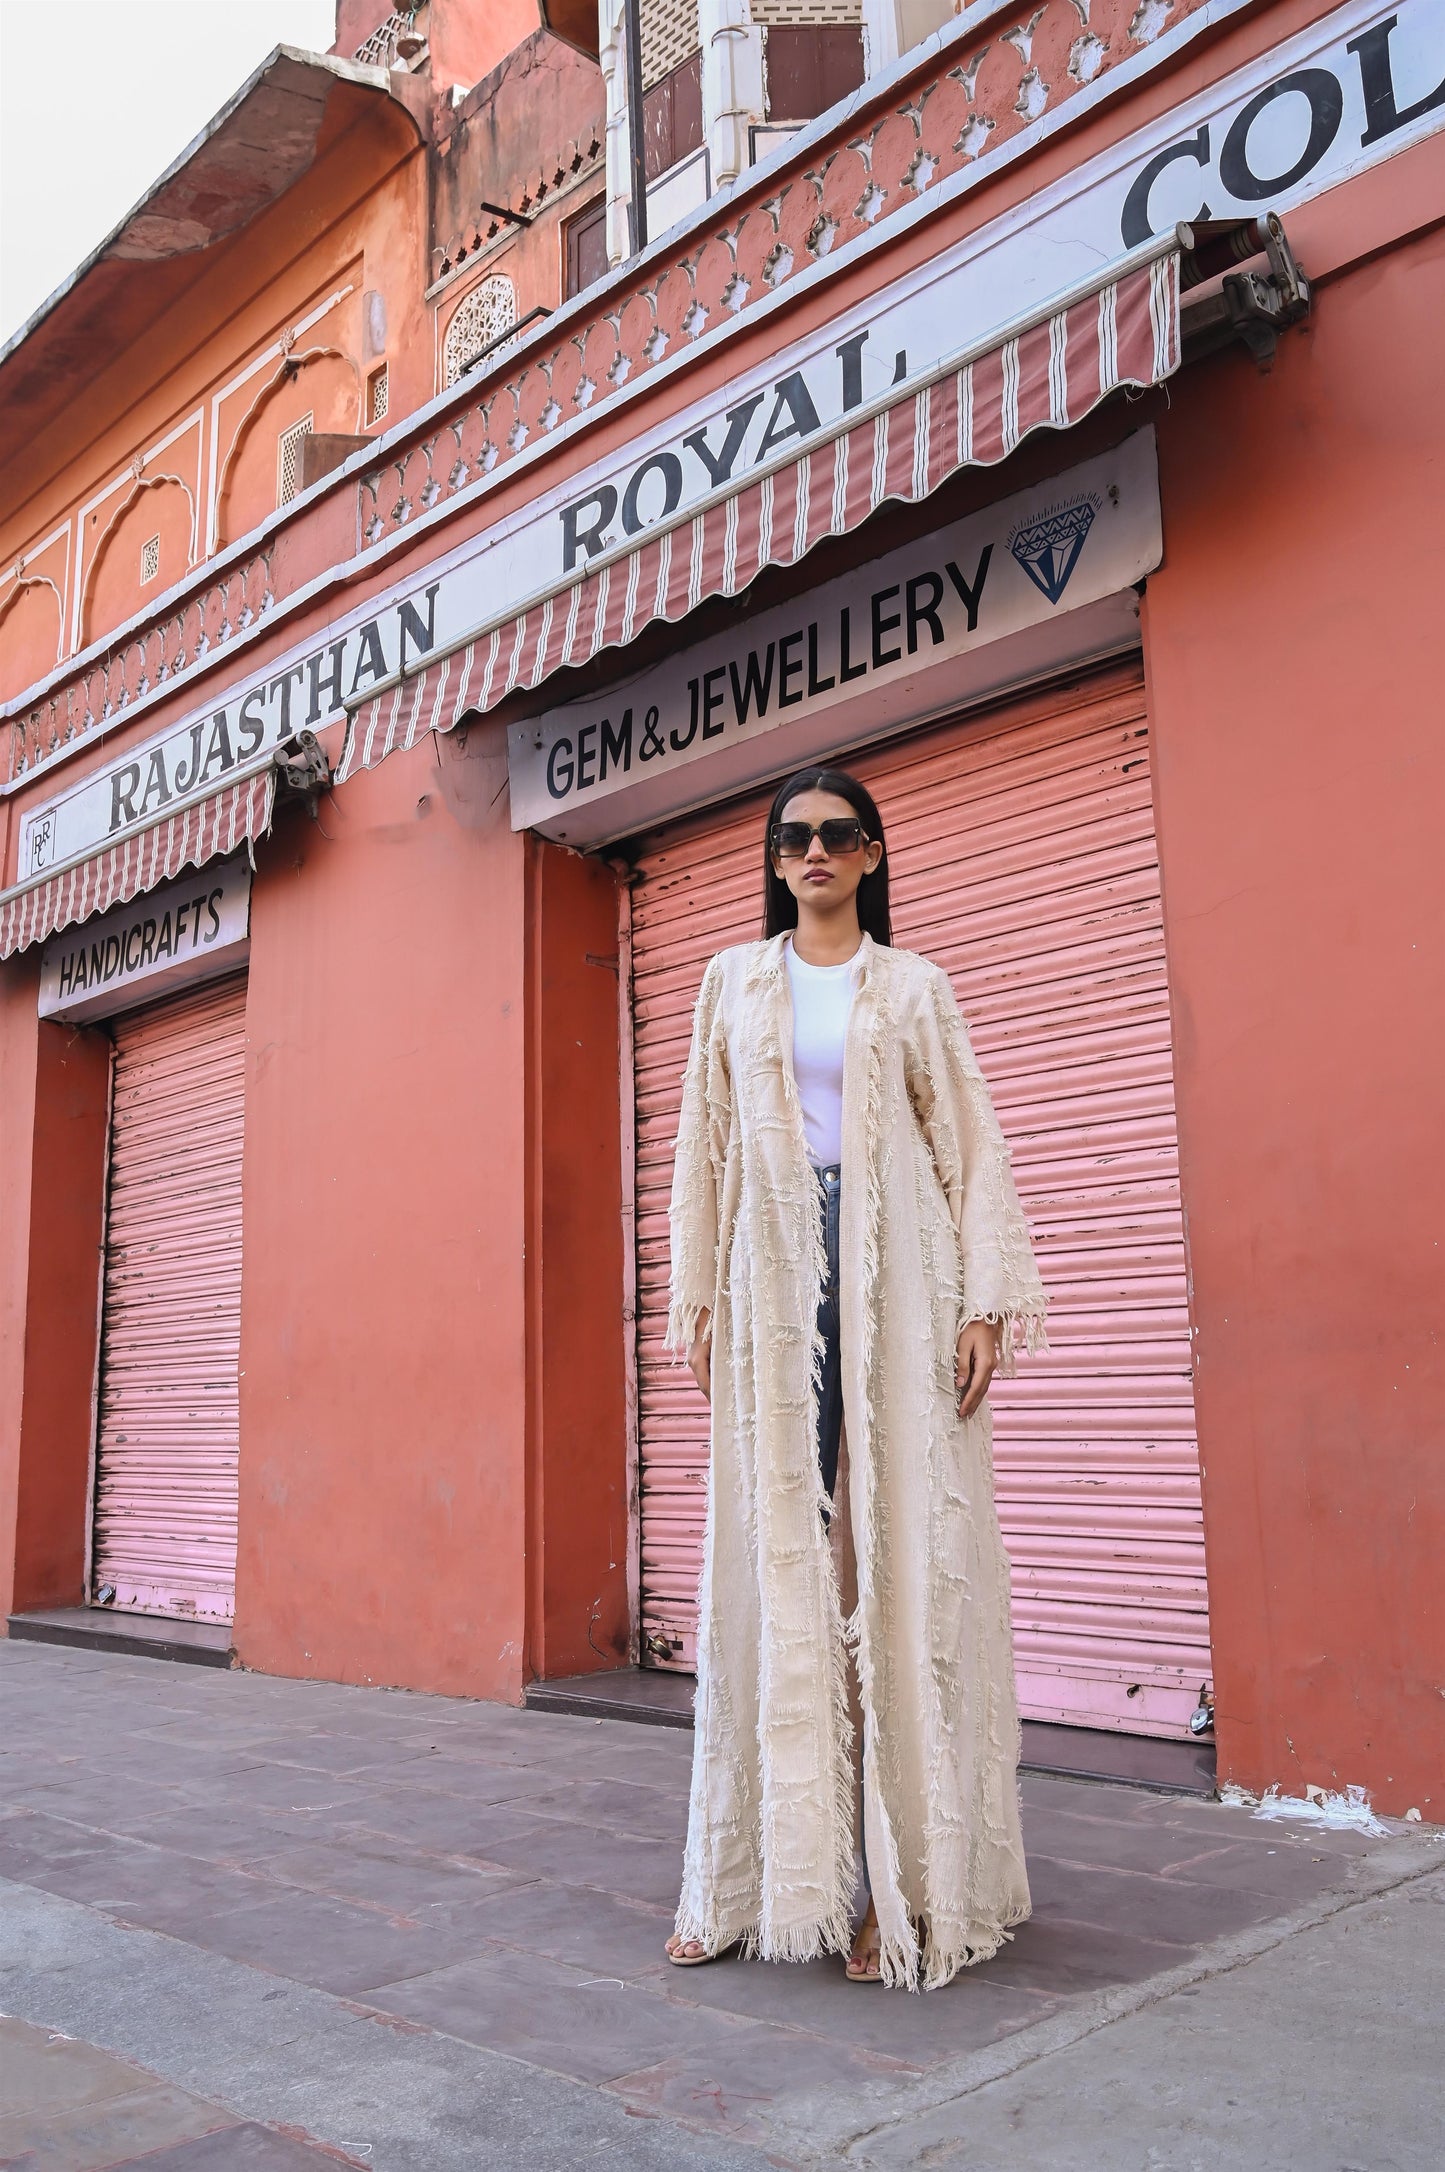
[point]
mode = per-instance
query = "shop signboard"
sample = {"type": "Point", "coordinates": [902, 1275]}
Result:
{"type": "Point", "coordinates": [191, 930]}
{"type": "Point", "coordinates": [1343, 93]}
{"type": "Point", "coordinates": [991, 600]}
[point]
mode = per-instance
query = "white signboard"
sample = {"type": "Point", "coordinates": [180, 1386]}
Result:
{"type": "Point", "coordinates": [189, 931]}
{"type": "Point", "coordinates": [861, 654]}
{"type": "Point", "coordinates": [1341, 95]}
{"type": "Point", "coordinates": [201, 754]}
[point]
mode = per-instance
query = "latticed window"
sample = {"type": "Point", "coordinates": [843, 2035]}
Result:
{"type": "Point", "coordinates": [150, 559]}
{"type": "Point", "coordinates": [288, 458]}
{"type": "Point", "coordinates": [377, 395]}
{"type": "Point", "coordinates": [801, 12]}
{"type": "Point", "coordinates": [379, 50]}
{"type": "Point", "coordinates": [480, 318]}
{"type": "Point", "coordinates": [669, 35]}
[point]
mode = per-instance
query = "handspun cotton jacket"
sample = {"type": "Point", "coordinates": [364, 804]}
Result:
{"type": "Point", "coordinates": [932, 1236]}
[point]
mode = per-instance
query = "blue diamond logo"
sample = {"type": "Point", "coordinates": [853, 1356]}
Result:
{"type": "Point", "coordinates": [1048, 549]}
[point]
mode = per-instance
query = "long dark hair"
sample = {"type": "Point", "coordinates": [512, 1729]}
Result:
{"type": "Point", "coordinates": [780, 907]}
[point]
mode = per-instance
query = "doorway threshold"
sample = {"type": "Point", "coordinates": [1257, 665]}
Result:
{"type": "Point", "coordinates": [654, 1698]}
{"type": "Point", "coordinates": [142, 1636]}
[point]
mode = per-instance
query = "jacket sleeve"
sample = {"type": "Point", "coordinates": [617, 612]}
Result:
{"type": "Point", "coordinates": [955, 1112]}
{"type": "Point", "coordinates": [697, 1171]}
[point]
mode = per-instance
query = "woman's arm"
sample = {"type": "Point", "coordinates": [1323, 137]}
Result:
{"type": "Point", "coordinates": [1003, 1297]}
{"type": "Point", "coordinates": [697, 1175]}
{"type": "Point", "coordinates": [699, 1356]}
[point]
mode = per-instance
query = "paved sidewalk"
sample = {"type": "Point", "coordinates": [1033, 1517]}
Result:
{"type": "Point", "coordinates": [246, 1922]}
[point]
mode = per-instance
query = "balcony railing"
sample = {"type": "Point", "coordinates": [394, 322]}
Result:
{"type": "Point", "coordinates": [947, 109]}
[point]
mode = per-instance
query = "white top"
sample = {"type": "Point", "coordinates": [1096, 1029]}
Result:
{"type": "Point", "coordinates": [822, 999]}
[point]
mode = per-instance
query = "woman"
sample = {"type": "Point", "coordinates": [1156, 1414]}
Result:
{"type": "Point", "coordinates": [847, 1243]}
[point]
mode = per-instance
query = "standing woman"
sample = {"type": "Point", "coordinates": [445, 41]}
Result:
{"type": "Point", "coordinates": [850, 1264]}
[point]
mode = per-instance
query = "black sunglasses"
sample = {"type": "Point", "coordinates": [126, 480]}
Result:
{"type": "Point", "coordinates": [840, 833]}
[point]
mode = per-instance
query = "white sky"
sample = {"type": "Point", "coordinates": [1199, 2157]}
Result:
{"type": "Point", "coordinates": [96, 99]}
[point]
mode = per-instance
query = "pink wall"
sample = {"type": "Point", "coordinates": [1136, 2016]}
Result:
{"type": "Point", "coordinates": [383, 1321]}
{"type": "Point", "coordinates": [29, 636]}
{"type": "Point", "coordinates": [433, 1483]}
{"type": "Point", "coordinates": [579, 1533]}
{"type": "Point", "coordinates": [54, 1095]}
{"type": "Point", "coordinates": [1293, 648]}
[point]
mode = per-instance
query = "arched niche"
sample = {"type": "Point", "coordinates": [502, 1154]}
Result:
{"type": "Point", "coordinates": [143, 549]}
{"type": "Point", "coordinates": [322, 389]}
{"type": "Point", "coordinates": [30, 633]}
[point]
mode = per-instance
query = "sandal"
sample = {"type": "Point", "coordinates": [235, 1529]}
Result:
{"type": "Point", "coordinates": [856, 1968]}
{"type": "Point", "coordinates": [698, 1960]}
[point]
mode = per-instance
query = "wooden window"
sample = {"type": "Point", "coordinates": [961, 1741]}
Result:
{"type": "Point", "coordinates": [811, 68]}
{"type": "Point", "coordinates": [586, 247]}
{"type": "Point", "coordinates": [672, 117]}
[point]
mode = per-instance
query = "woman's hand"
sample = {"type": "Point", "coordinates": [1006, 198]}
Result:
{"type": "Point", "coordinates": [973, 1366]}
{"type": "Point", "coordinates": [699, 1357]}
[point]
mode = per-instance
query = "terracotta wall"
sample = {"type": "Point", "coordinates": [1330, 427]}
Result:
{"type": "Point", "coordinates": [578, 1436]}
{"type": "Point", "coordinates": [328, 235]}
{"type": "Point", "coordinates": [530, 125]}
{"type": "Point", "coordinates": [56, 1095]}
{"type": "Point", "coordinates": [1293, 651]}
{"type": "Point", "coordinates": [425, 1456]}
{"type": "Point", "coordinates": [17, 1119]}
{"type": "Point", "coordinates": [162, 512]}
{"type": "Point", "coordinates": [383, 1321]}
{"type": "Point", "coordinates": [29, 636]}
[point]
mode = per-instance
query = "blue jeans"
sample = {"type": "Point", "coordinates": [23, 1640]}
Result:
{"type": "Point", "coordinates": [830, 1393]}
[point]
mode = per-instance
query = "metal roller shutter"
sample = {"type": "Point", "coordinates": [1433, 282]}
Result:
{"type": "Point", "coordinates": [1024, 860]}
{"type": "Point", "coordinates": [169, 1428]}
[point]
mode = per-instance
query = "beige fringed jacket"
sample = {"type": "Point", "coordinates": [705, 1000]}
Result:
{"type": "Point", "coordinates": [932, 1237]}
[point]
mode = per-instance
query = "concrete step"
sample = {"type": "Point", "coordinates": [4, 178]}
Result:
{"type": "Point", "coordinates": [143, 1636]}
{"type": "Point", "coordinates": [658, 1698]}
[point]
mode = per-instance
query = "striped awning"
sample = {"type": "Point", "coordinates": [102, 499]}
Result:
{"type": "Point", "coordinates": [188, 837]}
{"type": "Point", "coordinates": [1045, 373]}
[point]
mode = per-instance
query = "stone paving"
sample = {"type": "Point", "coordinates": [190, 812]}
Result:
{"type": "Point", "coordinates": [453, 1915]}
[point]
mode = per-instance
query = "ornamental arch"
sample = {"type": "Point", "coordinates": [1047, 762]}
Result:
{"type": "Point", "coordinates": [482, 316]}
{"type": "Point", "coordinates": [144, 549]}
{"type": "Point", "coordinates": [319, 391]}
{"type": "Point", "coordinates": [30, 634]}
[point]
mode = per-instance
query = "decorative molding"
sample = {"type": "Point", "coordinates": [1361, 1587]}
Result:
{"type": "Point", "coordinates": [125, 479]}
{"type": "Point", "coordinates": [290, 366]}
{"type": "Point", "coordinates": [962, 97]}
{"type": "Point", "coordinates": [279, 348]}
{"type": "Point", "coordinates": [141, 485]}
{"type": "Point", "coordinates": [835, 194]}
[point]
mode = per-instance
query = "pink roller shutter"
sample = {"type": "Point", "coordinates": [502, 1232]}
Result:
{"type": "Point", "coordinates": [1025, 862]}
{"type": "Point", "coordinates": [169, 1428]}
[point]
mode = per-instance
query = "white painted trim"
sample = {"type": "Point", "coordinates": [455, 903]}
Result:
{"type": "Point", "coordinates": [586, 306]}
{"type": "Point", "coordinates": [194, 421]}
{"type": "Point", "coordinates": [140, 483]}
{"type": "Point", "coordinates": [241, 774]}
{"type": "Point", "coordinates": [27, 558]}
{"type": "Point", "coordinates": [1258, 69]}
{"type": "Point", "coordinates": [1151, 252]}
{"type": "Point", "coordinates": [258, 362]}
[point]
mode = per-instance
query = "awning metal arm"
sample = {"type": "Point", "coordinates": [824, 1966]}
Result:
{"type": "Point", "coordinates": [301, 766]}
{"type": "Point", "coordinates": [1253, 306]}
